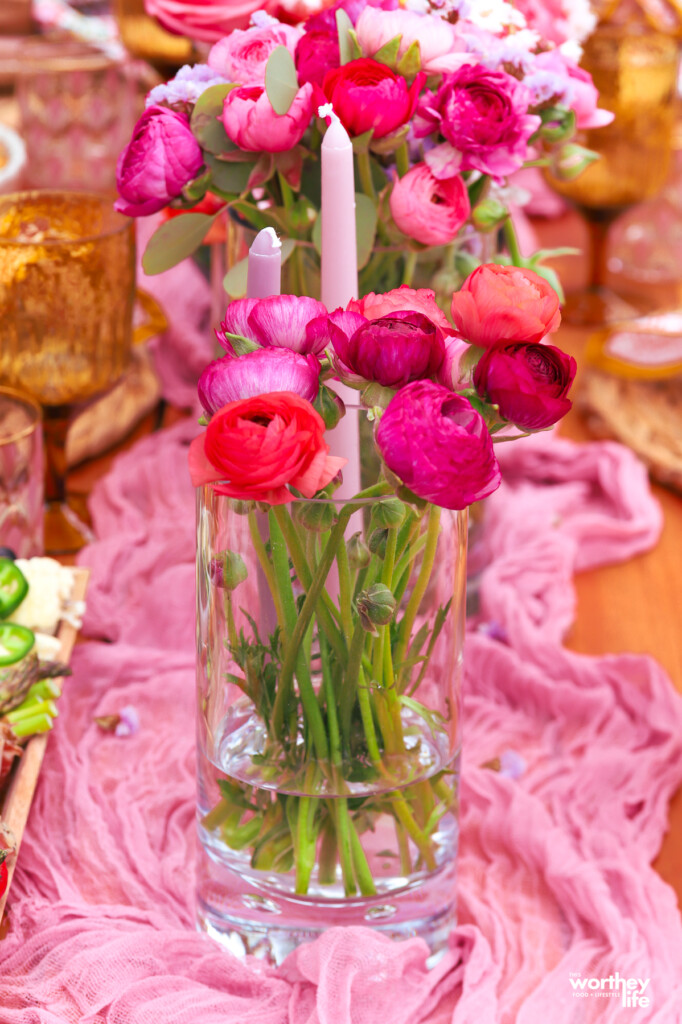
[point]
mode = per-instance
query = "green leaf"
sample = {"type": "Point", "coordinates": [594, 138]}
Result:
{"type": "Point", "coordinates": [388, 54]}
{"type": "Point", "coordinates": [361, 142]}
{"type": "Point", "coordinates": [234, 281]}
{"type": "Point", "coordinates": [175, 240]}
{"type": "Point", "coordinates": [365, 227]}
{"type": "Point", "coordinates": [281, 83]}
{"type": "Point", "coordinates": [195, 190]}
{"type": "Point", "coordinates": [316, 234]}
{"type": "Point", "coordinates": [355, 48]}
{"type": "Point", "coordinates": [205, 122]}
{"type": "Point", "coordinates": [344, 26]}
{"type": "Point", "coordinates": [288, 246]}
{"type": "Point", "coordinates": [390, 143]}
{"type": "Point", "coordinates": [411, 61]}
{"type": "Point", "coordinates": [231, 178]}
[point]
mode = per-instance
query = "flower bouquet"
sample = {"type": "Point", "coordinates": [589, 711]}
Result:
{"type": "Point", "coordinates": [443, 102]}
{"type": "Point", "coordinates": [330, 629]}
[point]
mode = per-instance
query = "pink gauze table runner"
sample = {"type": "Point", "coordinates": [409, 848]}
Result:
{"type": "Point", "coordinates": [555, 881]}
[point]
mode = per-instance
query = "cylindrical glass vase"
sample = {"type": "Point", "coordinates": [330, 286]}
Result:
{"type": "Point", "coordinates": [328, 721]}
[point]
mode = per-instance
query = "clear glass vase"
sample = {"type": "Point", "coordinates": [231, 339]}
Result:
{"type": "Point", "coordinates": [329, 667]}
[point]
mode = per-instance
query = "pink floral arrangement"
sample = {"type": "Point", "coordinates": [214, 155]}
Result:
{"type": "Point", "coordinates": [442, 104]}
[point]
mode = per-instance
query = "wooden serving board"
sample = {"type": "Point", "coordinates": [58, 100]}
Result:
{"type": "Point", "coordinates": [16, 803]}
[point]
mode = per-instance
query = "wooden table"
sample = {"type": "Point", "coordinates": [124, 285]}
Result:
{"type": "Point", "coordinates": [634, 606]}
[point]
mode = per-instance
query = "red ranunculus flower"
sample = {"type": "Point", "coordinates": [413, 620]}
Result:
{"type": "Point", "coordinates": [529, 383]}
{"type": "Point", "coordinates": [259, 447]}
{"type": "Point", "coordinates": [366, 94]}
{"type": "Point", "coordinates": [496, 305]}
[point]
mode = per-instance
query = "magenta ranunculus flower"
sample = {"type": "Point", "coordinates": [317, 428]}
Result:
{"type": "Point", "coordinates": [160, 159]}
{"type": "Point", "coordinates": [529, 383]}
{"type": "Point", "coordinates": [391, 351]}
{"type": "Point", "coordinates": [317, 52]}
{"type": "Point", "coordinates": [321, 332]}
{"type": "Point", "coordinates": [253, 125]}
{"type": "Point", "coordinates": [366, 94]}
{"type": "Point", "coordinates": [280, 321]}
{"type": "Point", "coordinates": [236, 322]}
{"type": "Point", "coordinates": [242, 55]}
{"type": "Point", "coordinates": [429, 210]}
{"type": "Point", "coordinates": [483, 117]}
{"type": "Point", "coordinates": [258, 373]}
{"type": "Point", "coordinates": [438, 445]}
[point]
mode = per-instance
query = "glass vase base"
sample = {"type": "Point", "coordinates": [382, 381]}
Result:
{"type": "Point", "coordinates": [259, 933]}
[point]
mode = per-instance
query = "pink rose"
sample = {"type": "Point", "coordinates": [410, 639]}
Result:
{"type": "Point", "coordinates": [253, 125]}
{"type": "Point", "coordinates": [483, 116]}
{"type": "Point", "coordinates": [438, 445]}
{"type": "Point", "coordinates": [429, 210]}
{"type": "Point", "coordinates": [422, 300]}
{"type": "Point", "coordinates": [367, 94]}
{"type": "Point", "coordinates": [580, 92]}
{"type": "Point", "coordinates": [242, 56]}
{"type": "Point", "coordinates": [497, 305]}
{"type": "Point", "coordinates": [529, 383]}
{"type": "Point", "coordinates": [207, 20]}
{"type": "Point", "coordinates": [160, 159]}
{"type": "Point", "coordinates": [436, 38]}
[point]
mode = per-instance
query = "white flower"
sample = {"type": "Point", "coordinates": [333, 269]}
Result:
{"type": "Point", "coordinates": [495, 16]}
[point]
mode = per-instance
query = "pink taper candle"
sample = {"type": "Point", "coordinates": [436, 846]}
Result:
{"type": "Point", "coordinates": [264, 275]}
{"type": "Point", "coordinates": [339, 274]}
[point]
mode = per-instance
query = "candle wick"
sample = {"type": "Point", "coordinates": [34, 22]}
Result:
{"type": "Point", "coordinates": [327, 110]}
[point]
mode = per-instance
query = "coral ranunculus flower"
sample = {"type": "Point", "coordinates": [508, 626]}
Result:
{"type": "Point", "coordinates": [421, 300]}
{"type": "Point", "coordinates": [438, 445]}
{"type": "Point", "coordinates": [257, 448]}
{"type": "Point", "coordinates": [497, 305]}
{"type": "Point", "coordinates": [427, 209]}
{"type": "Point", "coordinates": [366, 94]}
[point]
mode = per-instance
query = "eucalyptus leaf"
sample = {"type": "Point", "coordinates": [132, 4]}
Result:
{"type": "Point", "coordinates": [229, 177]}
{"type": "Point", "coordinates": [281, 83]}
{"type": "Point", "coordinates": [234, 281]}
{"type": "Point", "coordinates": [344, 26]}
{"type": "Point", "coordinates": [288, 246]}
{"type": "Point", "coordinates": [365, 227]}
{"type": "Point", "coordinates": [175, 240]}
{"type": "Point", "coordinates": [205, 122]}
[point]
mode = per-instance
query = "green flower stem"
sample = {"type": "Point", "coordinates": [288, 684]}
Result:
{"type": "Point", "coordinates": [265, 565]}
{"type": "Point", "coordinates": [305, 575]}
{"type": "Point", "coordinates": [402, 159]}
{"type": "Point", "coordinates": [313, 713]}
{"type": "Point", "coordinates": [403, 848]}
{"type": "Point", "coordinates": [349, 689]}
{"type": "Point", "coordinates": [362, 872]}
{"type": "Point", "coordinates": [326, 871]}
{"type": "Point", "coordinates": [420, 586]}
{"type": "Point", "coordinates": [365, 172]}
{"type": "Point", "coordinates": [306, 834]}
{"type": "Point", "coordinates": [343, 839]}
{"type": "Point", "coordinates": [410, 267]}
{"type": "Point", "coordinates": [220, 813]}
{"type": "Point", "coordinates": [404, 815]}
{"type": "Point", "coordinates": [384, 637]}
{"type": "Point", "coordinates": [229, 617]}
{"type": "Point", "coordinates": [345, 590]}
{"type": "Point", "coordinates": [365, 702]}
{"type": "Point", "coordinates": [512, 243]}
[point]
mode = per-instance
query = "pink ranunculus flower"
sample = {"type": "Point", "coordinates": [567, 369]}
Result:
{"type": "Point", "coordinates": [236, 322]}
{"type": "Point", "coordinates": [160, 159]}
{"type": "Point", "coordinates": [253, 125]}
{"type": "Point", "coordinates": [580, 94]}
{"type": "Point", "coordinates": [497, 305]}
{"type": "Point", "coordinates": [483, 118]}
{"type": "Point", "coordinates": [438, 445]}
{"type": "Point", "coordinates": [529, 383]}
{"type": "Point", "coordinates": [208, 20]}
{"type": "Point", "coordinates": [280, 321]}
{"type": "Point", "coordinates": [429, 210]}
{"type": "Point", "coordinates": [366, 94]}
{"type": "Point", "coordinates": [391, 351]}
{"type": "Point", "coordinates": [256, 373]}
{"type": "Point", "coordinates": [449, 374]}
{"type": "Point", "coordinates": [422, 300]}
{"type": "Point", "coordinates": [439, 47]}
{"type": "Point", "coordinates": [242, 56]}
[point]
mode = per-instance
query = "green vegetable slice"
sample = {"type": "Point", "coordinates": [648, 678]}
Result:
{"type": "Point", "coordinates": [13, 587]}
{"type": "Point", "coordinates": [15, 642]}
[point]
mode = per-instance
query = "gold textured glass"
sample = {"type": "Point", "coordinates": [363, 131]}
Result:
{"type": "Point", "coordinates": [21, 474]}
{"type": "Point", "coordinates": [67, 288]}
{"type": "Point", "coordinates": [636, 74]}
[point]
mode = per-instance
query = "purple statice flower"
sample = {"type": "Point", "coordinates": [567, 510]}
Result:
{"type": "Point", "coordinates": [186, 87]}
{"type": "Point", "coordinates": [128, 721]}
{"type": "Point", "coordinates": [546, 86]}
{"type": "Point", "coordinates": [494, 630]}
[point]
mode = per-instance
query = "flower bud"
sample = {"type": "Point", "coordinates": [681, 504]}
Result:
{"type": "Point", "coordinates": [227, 570]}
{"type": "Point", "coordinates": [241, 507]}
{"type": "Point", "coordinates": [330, 406]}
{"type": "Point", "coordinates": [571, 161]}
{"type": "Point", "coordinates": [376, 607]}
{"type": "Point", "coordinates": [489, 214]}
{"type": "Point", "coordinates": [388, 513]}
{"type": "Point", "coordinates": [377, 542]}
{"type": "Point", "coordinates": [317, 516]}
{"type": "Point", "coordinates": [358, 553]}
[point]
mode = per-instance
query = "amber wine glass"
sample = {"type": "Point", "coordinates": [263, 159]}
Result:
{"type": "Point", "coordinates": [67, 289]}
{"type": "Point", "coordinates": [636, 74]}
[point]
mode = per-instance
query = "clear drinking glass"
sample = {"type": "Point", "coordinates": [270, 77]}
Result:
{"type": "Point", "coordinates": [21, 474]}
{"type": "Point", "coordinates": [328, 725]}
